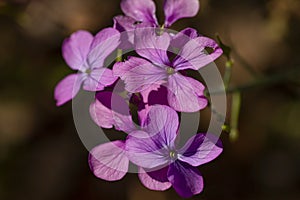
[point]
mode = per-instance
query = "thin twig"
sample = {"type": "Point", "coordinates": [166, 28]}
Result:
{"type": "Point", "coordinates": [235, 114]}
{"type": "Point", "coordinates": [263, 82]}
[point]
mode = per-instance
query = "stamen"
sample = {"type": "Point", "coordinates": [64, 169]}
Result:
{"type": "Point", "coordinates": [170, 70]}
{"type": "Point", "coordinates": [160, 30]}
{"type": "Point", "coordinates": [88, 71]}
{"type": "Point", "coordinates": [173, 155]}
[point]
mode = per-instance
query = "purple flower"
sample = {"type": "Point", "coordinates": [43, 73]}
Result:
{"type": "Point", "coordinates": [155, 150]}
{"type": "Point", "coordinates": [86, 54]}
{"type": "Point", "coordinates": [139, 74]}
{"type": "Point", "coordinates": [144, 11]}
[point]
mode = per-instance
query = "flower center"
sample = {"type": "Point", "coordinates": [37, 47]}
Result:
{"type": "Point", "coordinates": [160, 30]}
{"type": "Point", "coordinates": [170, 70]}
{"type": "Point", "coordinates": [173, 155]}
{"type": "Point", "coordinates": [88, 71]}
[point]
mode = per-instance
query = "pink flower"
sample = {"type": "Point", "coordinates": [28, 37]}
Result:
{"type": "Point", "coordinates": [86, 54]}
{"type": "Point", "coordinates": [185, 94]}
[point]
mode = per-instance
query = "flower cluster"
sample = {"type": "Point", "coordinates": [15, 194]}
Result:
{"type": "Point", "coordinates": [154, 81]}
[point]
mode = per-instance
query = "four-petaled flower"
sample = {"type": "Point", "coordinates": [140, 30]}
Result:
{"type": "Point", "coordinates": [185, 94]}
{"type": "Point", "coordinates": [87, 54]}
{"type": "Point", "coordinates": [154, 149]}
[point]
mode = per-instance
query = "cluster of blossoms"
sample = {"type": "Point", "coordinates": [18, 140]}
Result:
{"type": "Point", "coordinates": [154, 80]}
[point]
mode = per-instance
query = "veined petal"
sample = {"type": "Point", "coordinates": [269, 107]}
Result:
{"type": "Point", "coordinates": [152, 46]}
{"type": "Point", "coordinates": [76, 48]}
{"type": "Point", "coordinates": [145, 151]}
{"type": "Point", "coordinates": [181, 38]}
{"type": "Point", "coordinates": [110, 110]}
{"type": "Point", "coordinates": [185, 94]}
{"type": "Point", "coordinates": [177, 9]}
{"type": "Point", "coordinates": [67, 88]}
{"type": "Point", "coordinates": [162, 124]}
{"type": "Point", "coordinates": [143, 11]}
{"type": "Point", "coordinates": [109, 161]}
{"type": "Point", "coordinates": [101, 115]}
{"type": "Point", "coordinates": [155, 180]}
{"type": "Point", "coordinates": [124, 23]}
{"type": "Point", "coordinates": [126, 26]}
{"type": "Point", "coordinates": [143, 114]}
{"type": "Point", "coordinates": [186, 180]}
{"type": "Point", "coordinates": [193, 55]}
{"type": "Point", "coordinates": [104, 43]}
{"type": "Point", "coordinates": [200, 149]}
{"type": "Point", "coordinates": [138, 74]}
{"type": "Point", "coordinates": [98, 79]}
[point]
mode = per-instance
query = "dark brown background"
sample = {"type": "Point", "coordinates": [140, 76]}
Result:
{"type": "Point", "coordinates": [41, 155]}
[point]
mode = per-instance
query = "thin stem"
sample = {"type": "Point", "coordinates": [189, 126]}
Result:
{"type": "Point", "coordinates": [263, 82]}
{"type": "Point", "coordinates": [235, 114]}
{"type": "Point", "coordinates": [228, 73]}
{"type": "Point", "coordinates": [119, 55]}
{"type": "Point", "coordinates": [232, 129]}
{"type": "Point", "coordinates": [226, 128]}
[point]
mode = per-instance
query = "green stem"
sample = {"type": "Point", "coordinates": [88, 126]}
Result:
{"type": "Point", "coordinates": [119, 55]}
{"type": "Point", "coordinates": [235, 113]}
{"type": "Point", "coordinates": [228, 73]}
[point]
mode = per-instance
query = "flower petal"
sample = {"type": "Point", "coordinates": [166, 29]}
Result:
{"type": "Point", "coordinates": [154, 87]}
{"type": "Point", "coordinates": [143, 11]}
{"type": "Point", "coordinates": [200, 149]}
{"type": "Point", "coordinates": [177, 9]}
{"type": "Point", "coordinates": [185, 94]}
{"type": "Point", "coordinates": [124, 23]}
{"type": "Point", "coordinates": [159, 97]}
{"type": "Point", "coordinates": [113, 101]}
{"type": "Point", "coordinates": [110, 110]}
{"type": "Point", "coordinates": [186, 180]}
{"type": "Point", "coordinates": [98, 79]}
{"type": "Point", "coordinates": [145, 151]}
{"type": "Point", "coordinates": [101, 115]}
{"type": "Point", "coordinates": [138, 74]}
{"type": "Point", "coordinates": [150, 148]}
{"type": "Point", "coordinates": [126, 26]}
{"type": "Point", "coordinates": [152, 46]}
{"type": "Point", "coordinates": [104, 43]}
{"type": "Point", "coordinates": [181, 38]}
{"type": "Point", "coordinates": [193, 55]}
{"type": "Point", "coordinates": [162, 123]}
{"type": "Point", "coordinates": [76, 48]}
{"type": "Point", "coordinates": [67, 88]}
{"type": "Point", "coordinates": [155, 180]}
{"type": "Point", "coordinates": [108, 161]}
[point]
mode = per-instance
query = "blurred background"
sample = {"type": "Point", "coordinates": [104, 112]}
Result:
{"type": "Point", "coordinates": [41, 155]}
